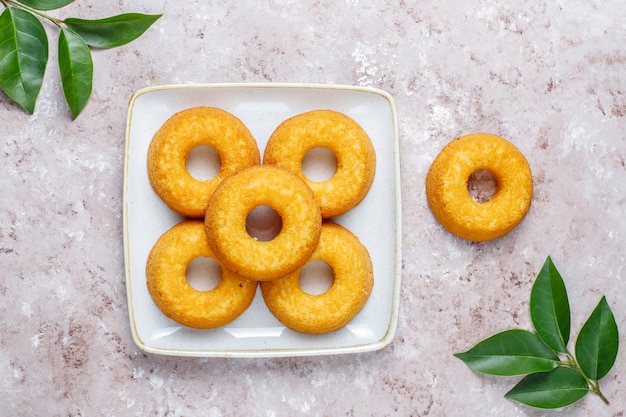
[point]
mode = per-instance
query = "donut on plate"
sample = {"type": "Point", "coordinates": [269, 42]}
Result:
{"type": "Point", "coordinates": [350, 290]}
{"type": "Point", "coordinates": [167, 283]}
{"type": "Point", "coordinates": [447, 187]}
{"type": "Point", "coordinates": [352, 147]}
{"type": "Point", "coordinates": [170, 146]}
{"type": "Point", "coordinates": [263, 186]}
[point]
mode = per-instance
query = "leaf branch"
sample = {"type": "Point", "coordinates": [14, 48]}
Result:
{"type": "Point", "coordinates": [594, 386]}
{"type": "Point", "coordinates": [32, 10]}
{"type": "Point", "coordinates": [555, 376]}
{"type": "Point", "coordinates": [24, 49]}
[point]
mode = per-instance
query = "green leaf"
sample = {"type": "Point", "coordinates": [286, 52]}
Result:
{"type": "Point", "coordinates": [549, 308]}
{"type": "Point", "coordinates": [23, 56]}
{"type": "Point", "coordinates": [512, 352]}
{"type": "Point", "coordinates": [46, 4]}
{"type": "Point", "coordinates": [112, 31]}
{"type": "Point", "coordinates": [555, 389]}
{"type": "Point", "coordinates": [597, 343]}
{"type": "Point", "coordinates": [76, 69]}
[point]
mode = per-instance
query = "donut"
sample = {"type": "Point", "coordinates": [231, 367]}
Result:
{"type": "Point", "coordinates": [171, 144]}
{"type": "Point", "coordinates": [263, 186]}
{"type": "Point", "coordinates": [350, 290]}
{"type": "Point", "coordinates": [447, 187]}
{"type": "Point", "coordinates": [167, 283]}
{"type": "Point", "coordinates": [352, 147]}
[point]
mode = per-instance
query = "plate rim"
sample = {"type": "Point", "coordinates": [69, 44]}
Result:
{"type": "Point", "coordinates": [273, 352]}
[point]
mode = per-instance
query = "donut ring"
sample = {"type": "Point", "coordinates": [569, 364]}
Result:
{"type": "Point", "coordinates": [168, 150]}
{"type": "Point", "coordinates": [449, 199]}
{"type": "Point", "coordinates": [351, 288]}
{"type": "Point", "coordinates": [168, 286]}
{"type": "Point", "coordinates": [356, 158]}
{"type": "Point", "coordinates": [241, 193]}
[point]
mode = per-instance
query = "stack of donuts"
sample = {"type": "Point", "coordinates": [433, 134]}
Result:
{"type": "Point", "coordinates": [217, 210]}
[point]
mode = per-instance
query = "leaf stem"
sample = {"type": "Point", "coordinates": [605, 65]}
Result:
{"type": "Point", "coordinates": [54, 20]}
{"type": "Point", "coordinates": [594, 386]}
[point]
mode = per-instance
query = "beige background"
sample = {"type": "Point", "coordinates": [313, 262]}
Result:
{"type": "Point", "coordinates": [547, 75]}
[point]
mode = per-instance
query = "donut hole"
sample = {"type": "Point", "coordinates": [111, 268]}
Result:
{"type": "Point", "coordinates": [203, 162]}
{"type": "Point", "coordinates": [263, 223]}
{"type": "Point", "coordinates": [203, 274]}
{"type": "Point", "coordinates": [319, 164]}
{"type": "Point", "coordinates": [482, 185]}
{"type": "Point", "coordinates": [316, 277]}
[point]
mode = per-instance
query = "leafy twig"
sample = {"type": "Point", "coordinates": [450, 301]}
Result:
{"type": "Point", "coordinates": [550, 382]}
{"type": "Point", "coordinates": [24, 49]}
{"type": "Point", "coordinates": [594, 386]}
{"type": "Point", "coordinates": [33, 11]}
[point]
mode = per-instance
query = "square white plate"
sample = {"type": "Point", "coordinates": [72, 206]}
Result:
{"type": "Point", "coordinates": [376, 220]}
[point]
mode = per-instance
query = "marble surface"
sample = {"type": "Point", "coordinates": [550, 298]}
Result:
{"type": "Point", "coordinates": [547, 75]}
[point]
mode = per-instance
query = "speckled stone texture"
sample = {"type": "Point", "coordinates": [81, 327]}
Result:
{"type": "Point", "coordinates": [547, 75]}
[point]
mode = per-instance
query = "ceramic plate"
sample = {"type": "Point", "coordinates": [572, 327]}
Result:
{"type": "Point", "coordinates": [376, 220]}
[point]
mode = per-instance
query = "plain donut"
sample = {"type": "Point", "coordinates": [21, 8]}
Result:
{"type": "Point", "coordinates": [353, 149]}
{"type": "Point", "coordinates": [450, 201]}
{"type": "Point", "coordinates": [171, 144]}
{"type": "Point", "coordinates": [246, 190]}
{"type": "Point", "coordinates": [167, 283]}
{"type": "Point", "coordinates": [351, 288]}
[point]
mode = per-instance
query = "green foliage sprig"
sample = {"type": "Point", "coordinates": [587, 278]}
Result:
{"type": "Point", "coordinates": [24, 49]}
{"type": "Point", "coordinates": [555, 377]}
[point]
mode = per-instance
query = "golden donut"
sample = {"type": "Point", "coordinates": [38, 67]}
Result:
{"type": "Point", "coordinates": [450, 201]}
{"type": "Point", "coordinates": [356, 158]}
{"type": "Point", "coordinates": [167, 283]}
{"type": "Point", "coordinates": [351, 288]}
{"type": "Point", "coordinates": [168, 150]}
{"type": "Point", "coordinates": [246, 190]}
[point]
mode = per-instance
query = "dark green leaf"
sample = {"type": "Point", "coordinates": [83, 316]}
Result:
{"type": "Point", "coordinates": [112, 31]}
{"type": "Point", "coordinates": [23, 56]}
{"type": "Point", "coordinates": [596, 346]}
{"type": "Point", "coordinates": [76, 69]}
{"type": "Point", "coordinates": [555, 389]}
{"type": "Point", "coordinates": [512, 352]}
{"type": "Point", "coordinates": [549, 308]}
{"type": "Point", "coordinates": [46, 4]}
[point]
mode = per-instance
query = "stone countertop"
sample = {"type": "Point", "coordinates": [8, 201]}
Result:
{"type": "Point", "coordinates": [547, 75]}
